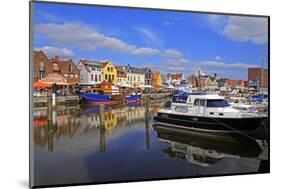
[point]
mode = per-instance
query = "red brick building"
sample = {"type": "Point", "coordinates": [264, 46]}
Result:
{"type": "Point", "coordinates": [66, 68]}
{"type": "Point", "coordinates": [42, 66]}
{"type": "Point", "coordinates": [236, 84]}
{"type": "Point", "coordinates": [255, 74]}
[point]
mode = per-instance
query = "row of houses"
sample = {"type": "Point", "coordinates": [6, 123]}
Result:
{"type": "Point", "coordinates": [94, 72]}
{"type": "Point", "coordinates": [212, 82]}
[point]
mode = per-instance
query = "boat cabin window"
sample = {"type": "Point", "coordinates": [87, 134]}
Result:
{"type": "Point", "coordinates": [217, 103]}
{"type": "Point", "coordinates": [199, 102]}
{"type": "Point", "coordinates": [181, 109]}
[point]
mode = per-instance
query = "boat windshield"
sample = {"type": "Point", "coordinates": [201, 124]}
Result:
{"type": "Point", "coordinates": [217, 103]}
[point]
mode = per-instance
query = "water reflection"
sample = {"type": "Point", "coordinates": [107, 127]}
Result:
{"type": "Point", "coordinates": [206, 150]}
{"type": "Point", "coordinates": [62, 121]}
{"type": "Point", "coordinates": [101, 144]}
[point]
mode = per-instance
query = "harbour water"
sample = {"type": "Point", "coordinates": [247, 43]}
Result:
{"type": "Point", "coordinates": [81, 144]}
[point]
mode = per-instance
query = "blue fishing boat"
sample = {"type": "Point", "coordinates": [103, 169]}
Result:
{"type": "Point", "coordinates": [96, 99]}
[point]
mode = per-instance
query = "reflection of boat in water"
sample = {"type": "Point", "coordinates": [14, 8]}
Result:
{"type": "Point", "coordinates": [97, 99]}
{"type": "Point", "coordinates": [133, 98]}
{"type": "Point", "coordinates": [205, 150]}
{"type": "Point", "coordinates": [94, 109]}
{"type": "Point", "coordinates": [208, 113]}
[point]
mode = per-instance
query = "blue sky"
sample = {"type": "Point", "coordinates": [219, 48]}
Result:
{"type": "Point", "coordinates": [163, 41]}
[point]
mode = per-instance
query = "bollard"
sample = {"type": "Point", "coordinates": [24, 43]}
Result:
{"type": "Point", "coordinates": [54, 99]}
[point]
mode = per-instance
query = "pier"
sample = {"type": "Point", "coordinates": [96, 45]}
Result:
{"type": "Point", "coordinates": [66, 100]}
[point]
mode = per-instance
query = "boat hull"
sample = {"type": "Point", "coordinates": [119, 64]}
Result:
{"type": "Point", "coordinates": [96, 99]}
{"type": "Point", "coordinates": [208, 124]}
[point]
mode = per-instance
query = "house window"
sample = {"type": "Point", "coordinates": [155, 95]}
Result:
{"type": "Point", "coordinates": [111, 69]}
{"type": "Point", "coordinates": [108, 69]}
{"type": "Point", "coordinates": [99, 77]}
{"type": "Point", "coordinates": [112, 77]}
{"type": "Point", "coordinates": [70, 68]}
{"type": "Point", "coordinates": [92, 77]}
{"type": "Point", "coordinates": [41, 75]}
{"type": "Point", "coordinates": [134, 78]}
{"type": "Point", "coordinates": [105, 76]}
{"type": "Point", "coordinates": [96, 78]}
{"type": "Point", "coordinates": [109, 79]}
{"type": "Point", "coordinates": [55, 66]}
{"type": "Point", "coordinates": [138, 78]}
{"type": "Point", "coordinates": [42, 65]}
{"type": "Point", "coordinates": [128, 78]}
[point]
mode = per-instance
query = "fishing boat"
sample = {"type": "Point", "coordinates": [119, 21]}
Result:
{"type": "Point", "coordinates": [96, 98]}
{"type": "Point", "coordinates": [208, 113]}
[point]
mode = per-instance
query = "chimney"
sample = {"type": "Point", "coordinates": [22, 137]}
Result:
{"type": "Point", "coordinates": [56, 57]}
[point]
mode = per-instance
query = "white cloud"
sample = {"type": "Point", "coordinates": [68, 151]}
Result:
{"type": "Point", "coordinates": [86, 38]}
{"type": "Point", "coordinates": [145, 51]}
{"type": "Point", "coordinates": [244, 29]}
{"type": "Point", "coordinates": [241, 28]}
{"type": "Point", "coordinates": [217, 58]}
{"type": "Point", "coordinates": [150, 37]}
{"type": "Point", "coordinates": [55, 51]}
{"type": "Point", "coordinates": [217, 22]}
{"type": "Point", "coordinates": [167, 23]}
{"type": "Point", "coordinates": [219, 64]}
{"type": "Point", "coordinates": [172, 53]}
{"type": "Point", "coordinates": [82, 36]}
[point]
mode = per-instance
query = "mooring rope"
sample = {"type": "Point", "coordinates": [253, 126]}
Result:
{"type": "Point", "coordinates": [224, 124]}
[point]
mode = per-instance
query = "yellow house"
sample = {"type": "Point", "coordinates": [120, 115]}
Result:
{"type": "Point", "coordinates": [109, 72]}
{"type": "Point", "coordinates": [110, 121]}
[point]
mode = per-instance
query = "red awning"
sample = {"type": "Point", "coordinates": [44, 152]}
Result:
{"type": "Point", "coordinates": [42, 85]}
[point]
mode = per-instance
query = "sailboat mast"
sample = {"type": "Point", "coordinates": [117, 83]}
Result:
{"type": "Point", "coordinates": [262, 62]}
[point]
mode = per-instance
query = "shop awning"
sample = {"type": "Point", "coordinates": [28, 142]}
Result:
{"type": "Point", "coordinates": [42, 85]}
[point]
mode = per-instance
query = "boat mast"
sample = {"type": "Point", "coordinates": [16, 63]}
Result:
{"type": "Point", "coordinates": [262, 62]}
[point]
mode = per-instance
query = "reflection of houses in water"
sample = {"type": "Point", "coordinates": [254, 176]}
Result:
{"type": "Point", "coordinates": [65, 121]}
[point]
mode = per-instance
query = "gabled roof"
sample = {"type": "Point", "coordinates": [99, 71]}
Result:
{"type": "Point", "coordinates": [176, 76]}
{"type": "Point", "coordinates": [135, 70]}
{"type": "Point", "coordinates": [86, 64]}
{"type": "Point", "coordinates": [94, 62]}
{"type": "Point", "coordinates": [119, 68]}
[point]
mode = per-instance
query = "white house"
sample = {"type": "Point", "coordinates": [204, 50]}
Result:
{"type": "Point", "coordinates": [135, 76]}
{"type": "Point", "coordinates": [175, 79]}
{"type": "Point", "coordinates": [90, 72]}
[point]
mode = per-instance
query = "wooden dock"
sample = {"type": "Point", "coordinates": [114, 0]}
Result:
{"type": "Point", "coordinates": [67, 100]}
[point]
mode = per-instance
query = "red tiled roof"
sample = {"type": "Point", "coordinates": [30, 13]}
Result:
{"type": "Point", "coordinates": [119, 68]}
{"type": "Point", "coordinates": [176, 76]}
